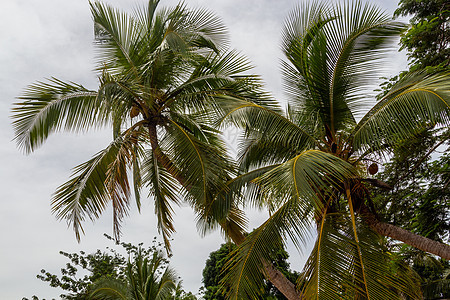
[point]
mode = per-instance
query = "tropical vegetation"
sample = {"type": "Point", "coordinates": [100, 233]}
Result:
{"type": "Point", "coordinates": [418, 168]}
{"type": "Point", "coordinates": [142, 281]}
{"type": "Point", "coordinates": [143, 273]}
{"type": "Point", "coordinates": [167, 82]}
{"type": "Point", "coordinates": [428, 37]}
{"type": "Point", "coordinates": [213, 273]}
{"type": "Point", "coordinates": [313, 163]}
{"type": "Point", "coordinates": [159, 72]}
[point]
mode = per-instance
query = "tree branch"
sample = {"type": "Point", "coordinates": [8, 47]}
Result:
{"type": "Point", "coordinates": [421, 160]}
{"type": "Point", "coordinates": [378, 183]}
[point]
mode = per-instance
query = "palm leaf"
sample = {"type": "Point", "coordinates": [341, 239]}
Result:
{"type": "Point", "coordinates": [267, 128]}
{"type": "Point", "coordinates": [116, 35]}
{"type": "Point", "coordinates": [109, 289]}
{"type": "Point", "coordinates": [332, 52]}
{"type": "Point", "coordinates": [413, 104]}
{"type": "Point", "coordinates": [341, 267]}
{"type": "Point", "coordinates": [209, 30]}
{"type": "Point", "coordinates": [222, 208]}
{"type": "Point", "coordinates": [203, 162]}
{"type": "Point", "coordinates": [359, 38]}
{"type": "Point", "coordinates": [291, 189]}
{"type": "Point", "coordinates": [304, 45]}
{"type": "Point", "coordinates": [244, 275]}
{"type": "Point", "coordinates": [163, 189]}
{"type": "Point", "coordinates": [94, 183]}
{"type": "Point", "coordinates": [312, 176]}
{"type": "Point", "coordinates": [216, 74]}
{"type": "Point", "coordinates": [52, 106]}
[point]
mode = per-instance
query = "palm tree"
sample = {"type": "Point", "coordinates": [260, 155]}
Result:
{"type": "Point", "coordinates": [144, 280]}
{"type": "Point", "coordinates": [159, 72]}
{"type": "Point", "coordinates": [308, 165]}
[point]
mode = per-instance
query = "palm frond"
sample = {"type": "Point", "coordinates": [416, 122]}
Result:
{"type": "Point", "coordinates": [209, 30]}
{"type": "Point", "coordinates": [116, 36]}
{"type": "Point", "coordinates": [109, 289]}
{"type": "Point", "coordinates": [95, 183]}
{"type": "Point", "coordinates": [117, 182]}
{"type": "Point", "coordinates": [215, 75]}
{"type": "Point", "coordinates": [291, 189]}
{"type": "Point", "coordinates": [341, 267]}
{"type": "Point", "coordinates": [333, 53]}
{"type": "Point", "coordinates": [312, 176]}
{"type": "Point", "coordinates": [358, 39]}
{"type": "Point", "coordinates": [306, 80]}
{"type": "Point", "coordinates": [415, 103]}
{"type": "Point", "coordinates": [163, 189]}
{"type": "Point", "coordinates": [166, 284]}
{"type": "Point", "coordinates": [267, 128]}
{"type": "Point", "coordinates": [222, 209]}
{"type": "Point", "coordinates": [203, 163]}
{"type": "Point", "coordinates": [50, 106]}
{"type": "Point", "coordinates": [244, 272]}
{"type": "Point", "coordinates": [259, 147]}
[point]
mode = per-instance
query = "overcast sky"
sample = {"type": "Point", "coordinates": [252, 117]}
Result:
{"type": "Point", "coordinates": [47, 38]}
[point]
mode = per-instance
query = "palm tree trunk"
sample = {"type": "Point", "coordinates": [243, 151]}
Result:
{"type": "Point", "coordinates": [284, 285]}
{"type": "Point", "coordinates": [400, 234]}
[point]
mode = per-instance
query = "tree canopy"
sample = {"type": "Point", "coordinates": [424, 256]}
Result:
{"type": "Point", "coordinates": [428, 38]}
{"type": "Point", "coordinates": [159, 72]}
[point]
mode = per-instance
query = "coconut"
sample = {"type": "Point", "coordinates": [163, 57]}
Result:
{"type": "Point", "coordinates": [373, 169]}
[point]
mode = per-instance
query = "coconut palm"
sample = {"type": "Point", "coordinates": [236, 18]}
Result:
{"type": "Point", "coordinates": [144, 280]}
{"type": "Point", "coordinates": [159, 72]}
{"type": "Point", "coordinates": [308, 165]}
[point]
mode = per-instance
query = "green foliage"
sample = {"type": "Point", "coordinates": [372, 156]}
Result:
{"type": "Point", "coordinates": [166, 78]}
{"type": "Point", "coordinates": [428, 37]}
{"type": "Point", "coordinates": [420, 198]}
{"type": "Point", "coordinates": [419, 202]}
{"type": "Point", "coordinates": [419, 187]}
{"type": "Point", "coordinates": [84, 271]}
{"type": "Point", "coordinates": [426, 40]}
{"type": "Point", "coordinates": [145, 278]}
{"type": "Point", "coordinates": [160, 73]}
{"type": "Point", "coordinates": [214, 272]}
{"type": "Point", "coordinates": [309, 164]}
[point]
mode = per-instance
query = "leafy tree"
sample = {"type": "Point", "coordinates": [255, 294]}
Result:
{"type": "Point", "coordinates": [309, 164]}
{"type": "Point", "coordinates": [428, 38]}
{"type": "Point", "coordinates": [180, 294]}
{"type": "Point", "coordinates": [145, 279]}
{"type": "Point", "coordinates": [84, 271]}
{"type": "Point", "coordinates": [419, 201]}
{"type": "Point", "coordinates": [98, 265]}
{"type": "Point", "coordinates": [419, 198]}
{"type": "Point", "coordinates": [213, 273]}
{"type": "Point", "coordinates": [419, 187]}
